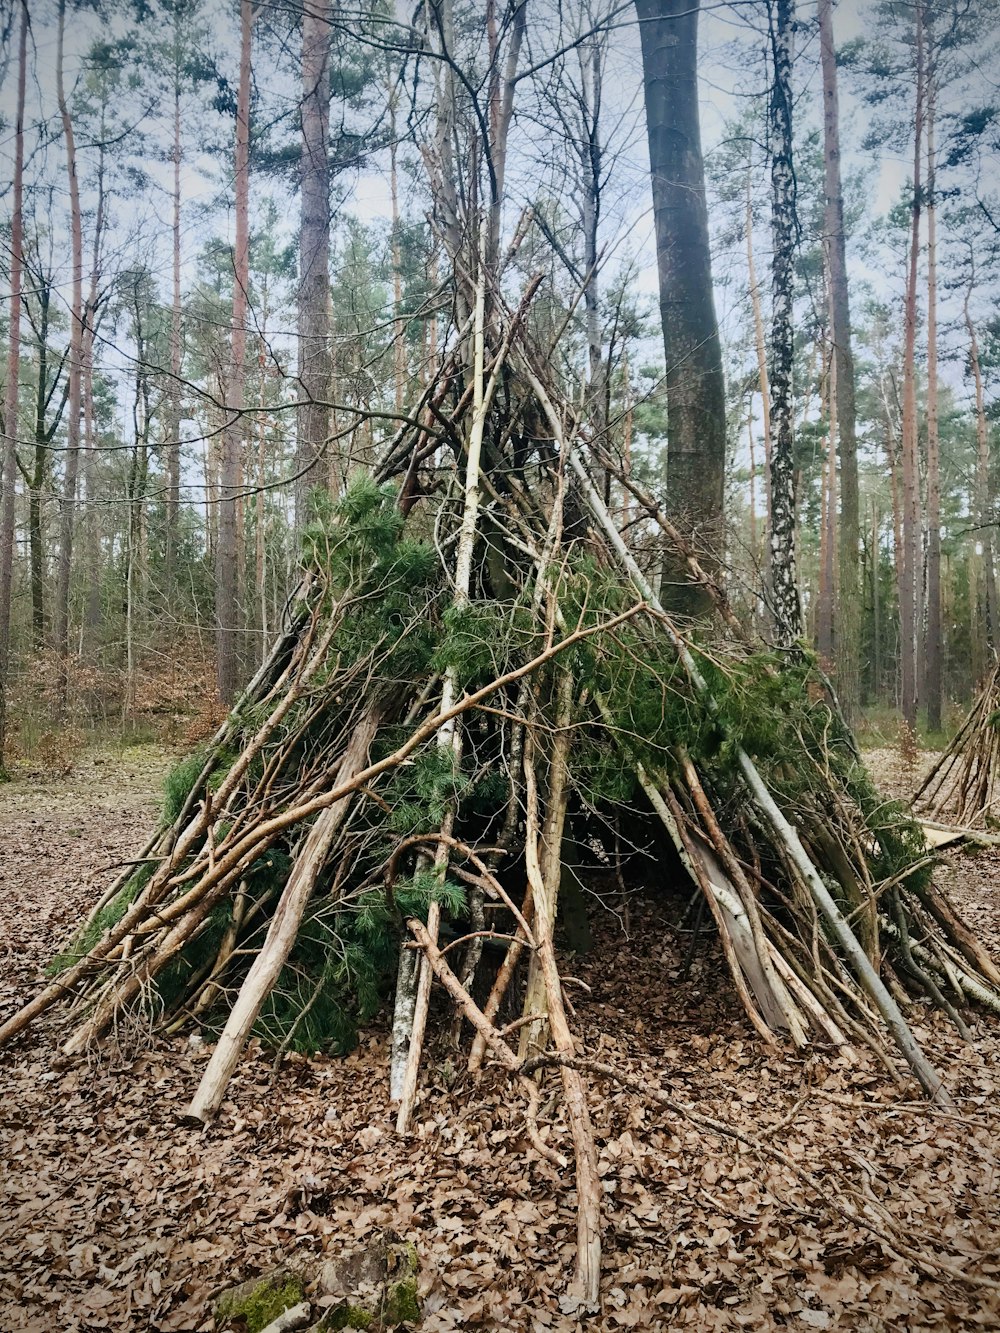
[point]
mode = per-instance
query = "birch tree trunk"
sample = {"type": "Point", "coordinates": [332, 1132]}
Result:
{"type": "Point", "coordinates": [228, 555]}
{"type": "Point", "coordinates": [314, 259]}
{"type": "Point", "coordinates": [847, 628]}
{"type": "Point", "coordinates": [760, 346]}
{"type": "Point", "coordinates": [75, 373]}
{"type": "Point", "coordinates": [783, 578]}
{"type": "Point", "coordinates": [696, 409]}
{"type": "Point", "coordinates": [8, 470]}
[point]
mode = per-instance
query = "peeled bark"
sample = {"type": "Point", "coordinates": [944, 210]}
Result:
{"type": "Point", "coordinates": [783, 578]}
{"type": "Point", "coordinates": [8, 471]}
{"type": "Point", "coordinates": [282, 932]}
{"type": "Point", "coordinates": [315, 365]}
{"type": "Point", "coordinates": [696, 411]}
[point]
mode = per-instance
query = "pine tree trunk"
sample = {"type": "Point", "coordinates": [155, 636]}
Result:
{"type": "Point", "coordinates": [783, 578]}
{"type": "Point", "coordinates": [828, 534]}
{"type": "Point", "coordinates": [909, 574]}
{"type": "Point", "coordinates": [933, 646]}
{"type": "Point", "coordinates": [985, 596]}
{"type": "Point", "coordinates": [75, 372]}
{"type": "Point", "coordinates": [8, 471]}
{"type": "Point", "coordinates": [314, 260]}
{"type": "Point", "coordinates": [848, 607]}
{"type": "Point", "coordinates": [228, 555]}
{"type": "Point", "coordinates": [696, 410]}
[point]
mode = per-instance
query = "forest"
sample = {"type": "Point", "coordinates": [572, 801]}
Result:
{"type": "Point", "coordinates": [499, 697]}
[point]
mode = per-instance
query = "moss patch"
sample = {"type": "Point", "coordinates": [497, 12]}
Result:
{"type": "Point", "coordinates": [259, 1302]}
{"type": "Point", "coordinates": [402, 1304]}
{"type": "Point", "coordinates": [347, 1315]}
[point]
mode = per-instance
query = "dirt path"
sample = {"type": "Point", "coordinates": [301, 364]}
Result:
{"type": "Point", "coordinates": [112, 1216]}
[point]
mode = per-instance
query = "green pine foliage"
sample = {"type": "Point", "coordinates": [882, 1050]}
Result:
{"type": "Point", "coordinates": [394, 621]}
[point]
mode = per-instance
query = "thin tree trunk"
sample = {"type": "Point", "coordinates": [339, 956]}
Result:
{"type": "Point", "coordinates": [75, 372]}
{"type": "Point", "coordinates": [987, 595]}
{"type": "Point", "coordinates": [696, 409]}
{"type": "Point", "coordinates": [314, 260]}
{"type": "Point", "coordinates": [783, 578]}
{"type": "Point", "coordinates": [909, 573]}
{"type": "Point", "coordinates": [876, 607]}
{"type": "Point", "coordinates": [760, 345]}
{"type": "Point", "coordinates": [828, 535]}
{"type": "Point", "coordinates": [592, 71]}
{"type": "Point", "coordinates": [848, 604]}
{"type": "Point", "coordinates": [8, 472]}
{"type": "Point", "coordinates": [174, 396]}
{"type": "Point", "coordinates": [228, 556]}
{"type": "Point", "coordinates": [92, 611]}
{"type": "Point", "coordinates": [933, 647]}
{"type": "Point", "coordinates": [399, 324]}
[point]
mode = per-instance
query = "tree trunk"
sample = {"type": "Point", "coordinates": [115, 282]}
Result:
{"type": "Point", "coordinates": [848, 609]}
{"type": "Point", "coordinates": [987, 595]}
{"type": "Point", "coordinates": [592, 70]}
{"type": "Point", "coordinates": [75, 372]}
{"type": "Point", "coordinates": [828, 533]}
{"type": "Point", "coordinates": [760, 345]}
{"type": "Point", "coordinates": [909, 573]}
{"type": "Point", "coordinates": [314, 259]}
{"type": "Point", "coordinates": [172, 498]}
{"type": "Point", "coordinates": [228, 554]}
{"type": "Point", "coordinates": [783, 579]}
{"type": "Point", "coordinates": [696, 410]}
{"type": "Point", "coordinates": [92, 514]}
{"type": "Point", "coordinates": [933, 647]}
{"type": "Point", "coordinates": [8, 472]}
{"type": "Point", "coordinates": [399, 324]}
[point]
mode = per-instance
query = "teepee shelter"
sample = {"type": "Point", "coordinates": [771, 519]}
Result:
{"type": "Point", "coordinates": [963, 787]}
{"type": "Point", "coordinates": [471, 652]}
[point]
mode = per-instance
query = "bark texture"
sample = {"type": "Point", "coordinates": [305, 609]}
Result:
{"type": "Point", "coordinates": [783, 578]}
{"type": "Point", "coordinates": [75, 372]}
{"type": "Point", "coordinates": [9, 461]}
{"type": "Point", "coordinates": [696, 424]}
{"type": "Point", "coordinates": [933, 645]}
{"type": "Point", "coordinates": [315, 365]}
{"type": "Point", "coordinates": [847, 628]}
{"type": "Point", "coordinates": [908, 569]}
{"type": "Point", "coordinates": [227, 565]}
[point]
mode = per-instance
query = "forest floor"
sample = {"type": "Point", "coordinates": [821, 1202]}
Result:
{"type": "Point", "coordinates": [114, 1216]}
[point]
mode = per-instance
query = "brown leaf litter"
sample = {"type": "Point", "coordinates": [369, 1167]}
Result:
{"type": "Point", "coordinates": [114, 1216]}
